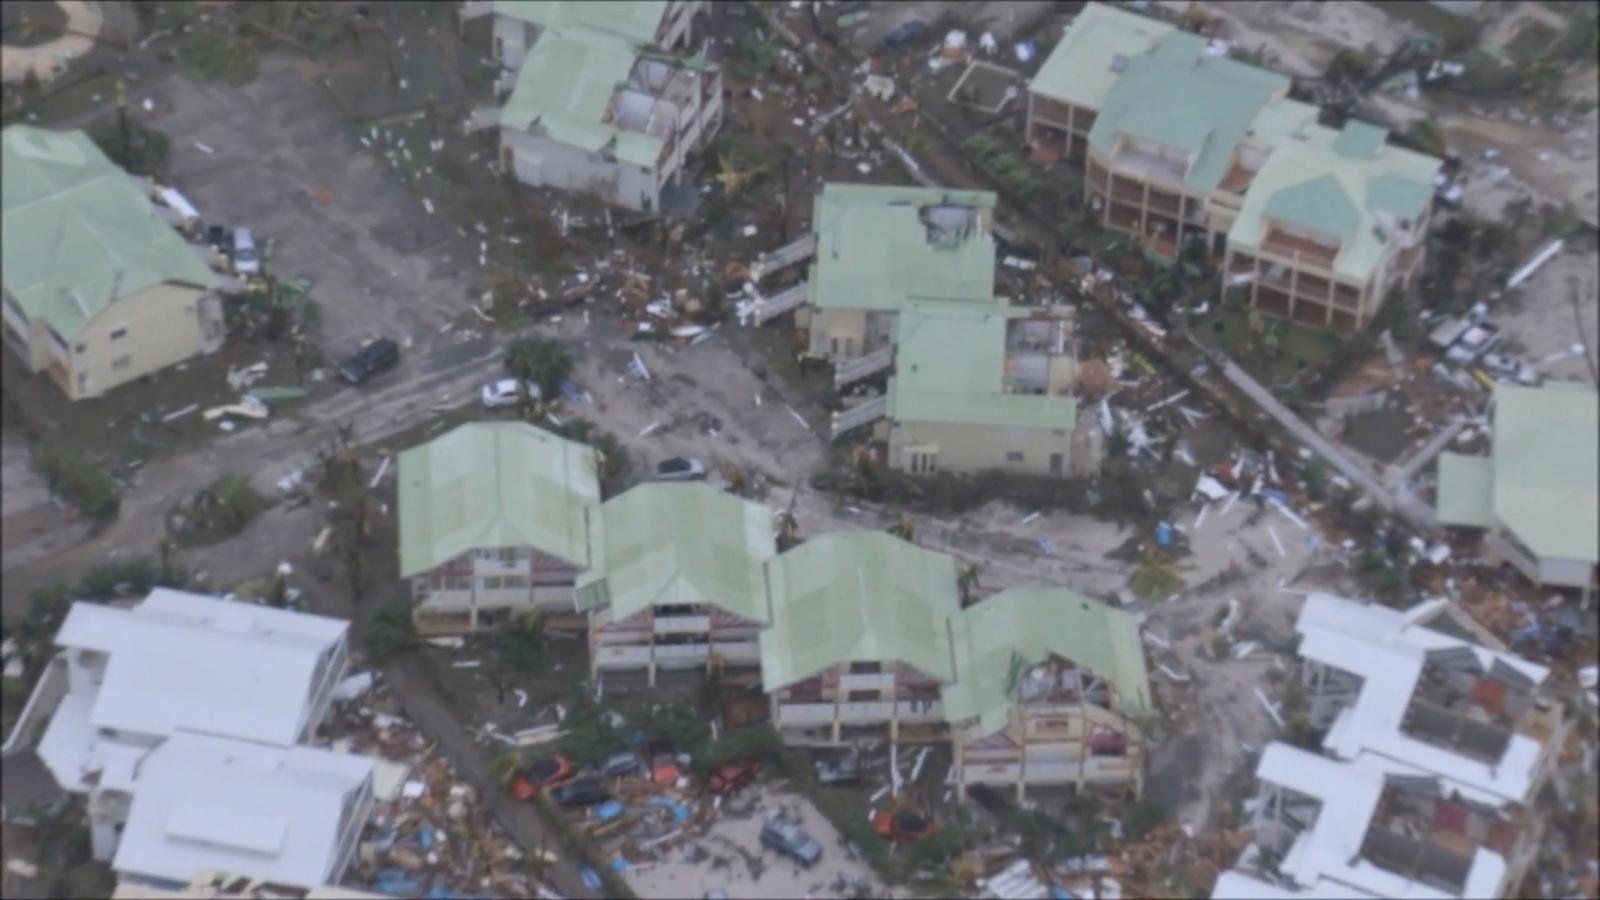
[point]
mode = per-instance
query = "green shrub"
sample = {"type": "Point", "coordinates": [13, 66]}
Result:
{"type": "Point", "coordinates": [216, 512]}
{"type": "Point", "coordinates": [145, 153]}
{"type": "Point", "coordinates": [389, 631]}
{"type": "Point", "coordinates": [134, 575]}
{"type": "Point", "coordinates": [80, 480]}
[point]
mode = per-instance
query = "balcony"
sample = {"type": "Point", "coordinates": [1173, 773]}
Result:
{"type": "Point", "coordinates": [875, 681]}
{"type": "Point", "coordinates": [1150, 167]}
{"type": "Point", "coordinates": [1301, 250]}
{"type": "Point", "coordinates": [682, 624]}
{"type": "Point", "coordinates": [804, 715]}
{"type": "Point", "coordinates": [42, 704]}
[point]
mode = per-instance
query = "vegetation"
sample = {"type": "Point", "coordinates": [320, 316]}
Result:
{"type": "Point", "coordinates": [341, 479]}
{"type": "Point", "coordinates": [543, 361]}
{"type": "Point", "coordinates": [79, 480]}
{"type": "Point", "coordinates": [216, 512]}
{"type": "Point", "coordinates": [135, 575]}
{"type": "Point", "coordinates": [616, 465]}
{"type": "Point", "coordinates": [946, 492]}
{"type": "Point", "coordinates": [389, 631]}
{"type": "Point", "coordinates": [143, 154]}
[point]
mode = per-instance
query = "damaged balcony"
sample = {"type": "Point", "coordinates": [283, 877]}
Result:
{"type": "Point", "coordinates": [1299, 248]}
{"type": "Point", "coordinates": [1149, 166]}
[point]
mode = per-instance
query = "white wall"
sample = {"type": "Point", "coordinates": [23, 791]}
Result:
{"type": "Point", "coordinates": [543, 162]}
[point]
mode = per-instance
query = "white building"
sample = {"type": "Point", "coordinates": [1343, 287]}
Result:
{"type": "Point", "coordinates": [128, 680]}
{"type": "Point", "coordinates": [1439, 751]}
{"type": "Point", "coordinates": [204, 804]}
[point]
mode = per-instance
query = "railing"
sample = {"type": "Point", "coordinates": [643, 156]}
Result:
{"type": "Point", "coordinates": [859, 415]}
{"type": "Point", "coordinates": [866, 711]}
{"type": "Point", "coordinates": [862, 366]}
{"type": "Point", "coordinates": [47, 695]}
{"type": "Point", "coordinates": [769, 308]}
{"type": "Point", "coordinates": [784, 257]}
{"type": "Point", "coordinates": [682, 624]}
{"type": "Point", "coordinates": [918, 711]}
{"type": "Point", "coordinates": [874, 681]}
{"type": "Point", "coordinates": [805, 713]}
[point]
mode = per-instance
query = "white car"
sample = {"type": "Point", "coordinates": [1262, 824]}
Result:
{"type": "Point", "coordinates": [504, 393]}
{"type": "Point", "coordinates": [246, 261]}
{"type": "Point", "coordinates": [680, 468]}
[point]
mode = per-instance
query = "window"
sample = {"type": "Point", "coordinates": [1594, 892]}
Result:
{"type": "Point", "coordinates": [866, 668]}
{"type": "Point", "coordinates": [492, 582]}
{"type": "Point", "coordinates": [1013, 456]}
{"type": "Point", "coordinates": [455, 583]}
{"type": "Point", "coordinates": [509, 554]}
{"type": "Point", "coordinates": [121, 362]}
{"type": "Point", "coordinates": [514, 581]}
{"type": "Point", "coordinates": [119, 334]}
{"type": "Point", "coordinates": [864, 696]}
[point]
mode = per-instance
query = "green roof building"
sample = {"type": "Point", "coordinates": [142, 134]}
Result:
{"type": "Point", "coordinates": [1050, 688]}
{"type": "Point", "coordinates": [595, 105]}
{"type": "Point", "coordinates": [99, 289]}
{"type": "Point", "coordinates": [678, 578]}
{"type": "Point", "coordinates": [496, 518]}
{"type": "Point", "coordinates": [1537, 494]}
{"type": "Point", "coordinates": [1183, 144]}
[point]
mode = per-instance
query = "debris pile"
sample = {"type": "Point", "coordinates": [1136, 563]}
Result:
{"type": "Point", "coordinates": [429, 834]}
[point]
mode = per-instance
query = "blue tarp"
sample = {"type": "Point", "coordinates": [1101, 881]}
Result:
{"type": "Point", "coordinates": [608, 810]}
{"type": "Point", "coordinates": [591, 878]}
{"type": "Point", "coordinates": [679, 811]}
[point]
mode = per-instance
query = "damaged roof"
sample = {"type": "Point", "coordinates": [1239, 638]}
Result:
{"type": "Point", "coordinates": [565, 86]}
{"type": "Point", "coordinates": [495, 484]}
{"type": "Point", "coordinates": [1324, 180]}
{"type": "Point", "coordinates": [80, 232]}
{"type": "Point", "coordinates": [679, 543]}
{"type": "Point", "coordinates": [1017, 629]}
{"type": "Point", "coordinates": [1094, 49]}
{"type": "Point", "coordinates": [858, 596]}
{"type": "Point", "coordinates": [879, 247]}
{"type": "Point", "coordinates": [1466, 490]}
{"type": "Point", "coordinates": [1180, 96]}
{"type": "Point", "coordinates": [1546, 467]}
{"type": "Point", "coordinates": [950, 367]}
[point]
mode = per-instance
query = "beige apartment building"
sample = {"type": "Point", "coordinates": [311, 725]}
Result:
{"type": "Point", "coordinates": [98, 289]}
{"type": "Point", "coordinates": [1182, 144]}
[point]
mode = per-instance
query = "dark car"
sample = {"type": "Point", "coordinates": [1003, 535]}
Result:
{"type": "Point", "coordinates": [905, 34]}
{"type": "Point", "coordinates": [619, 764]}
{"type": "Point", "coordinates": [371, 359]}
{"type": "Point", "coordinates": [585, 791]}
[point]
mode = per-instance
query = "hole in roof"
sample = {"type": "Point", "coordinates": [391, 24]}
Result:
{"type": "Point", "coordinates": [1119, 61]}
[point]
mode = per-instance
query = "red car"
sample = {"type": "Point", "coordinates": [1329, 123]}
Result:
{"type": "Point", "coordinates": [539, 775]}
{"type": "Point", "coordinates": [904, 827]}
{"type": "Point", "coordinates": [731, 776]}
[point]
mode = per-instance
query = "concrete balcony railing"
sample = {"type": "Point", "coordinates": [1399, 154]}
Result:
{"type": "Point", "coordinates": [682, 624]}
{"type": "Point", "coordinates": [804, 715]}
{"type": "Point", "coordinates": [41, 705]}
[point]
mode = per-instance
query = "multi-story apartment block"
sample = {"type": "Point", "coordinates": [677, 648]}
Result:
{"type": "Point", "coordinates": [600, 103]}
{"type": "Point", "coordinates": [1050, 690]}
{"type": "Point", "coordinates": [99, 289]}
{"type": "Point", "coordinates": [678, 581]}
{"type": "Point", "coordinates": [1536, 495]}
{"type": "Point", "coordinates": [495, 520]}
{"type": "Point", "coordinates": [1439, 753]}
{"type": "Point", "coordinates": [140, 699]}
{"type": "Point", "coordinates": [860, 638]}
{"type": "Point", "coordinates": [1182, 144]}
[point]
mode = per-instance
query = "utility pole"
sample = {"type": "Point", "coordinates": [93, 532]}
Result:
{"type": "Point", "coordinates": [125, 150]}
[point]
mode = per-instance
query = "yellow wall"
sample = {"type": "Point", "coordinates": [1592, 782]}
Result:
{"type": "Point", "coordinates": [163, 328]}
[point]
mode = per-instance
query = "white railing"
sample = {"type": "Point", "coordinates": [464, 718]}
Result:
{"type": "Point", "coordinates": [622, 657]}
{"type": "Point", "coordinates": [873, 681]}
{"type": "Point", "coordinates": [769, 308]}
{"type": "Point", "coordinates": [784, 257]}
{"type": "Point", "coordinates": [41, 705]}
{"type": "Point", "coordinates": [738, 651]}
{"type": "Point", "coordinates": [913, 711]}
{"type": "Point", "coordinates": [682, 624]}
{"type": "Point", "coordinates": [856, 369]}
{"type": "Point", "coordinates": [804, 713]}
{"type": "Point", "coordinates": [863, 413]}
{"type": "Point", "coordinates": [866, 711]}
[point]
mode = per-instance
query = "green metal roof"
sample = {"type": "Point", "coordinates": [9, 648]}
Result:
{"type": "Point", "coordinates": [495, 484]}
{"type": "Point", "coordinates": [635, 20]}
{"type": "Point", "coordinates": [566, 84]}
{"type": "Point", "coordinates": [1083, 66]}
{"type": "Point", "coordinates": [1279, 119]}
{"type": "Point", "coordinates": [1000, 638]}
{"type": "Point", "coordinates": [1546, 452]}
{"type": "Point", "coordinates": [1395, 181]}
{"type": "Point", "coordinates": [874, 252]}
{"type": "Point", "coordinates": [1466, 490]}
{"type": "Point", "coordinates": [1360, 140]}
{"type": "Point", "coordinates": [1319, 204]}
{"type": "Point", "coordinates": [79, 232]}
{"type": "Point", "coordinates": [950, 367]}
{"type": "Point", "coordinates": [858, 595]}
{"type": "Point", "coordinates": [1182, 97]}
{"type": "Point", "coordinates": [670, 544]}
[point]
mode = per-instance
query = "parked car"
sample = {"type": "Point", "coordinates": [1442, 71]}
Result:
{"type": "Point", "coordinates": [618, 764]}
{"type": "Point", "coordinates": [246, 260]}
{"type": "Point", "coordinates": [904, 34]}
{"type": "Point", "coordinates": [584, 791]}
{"type": "Point", "coordinates": [541, 774]}
{"type": "Point", "coordinates": [903, 827]}
{"type": "Point", "coordinates": [371, 359]}
{"type": "Point", "coordinates": [791, 840]}
{"type": "Point", "coordinates": [663, 762]}
{"type": "Point", "coordinates": [504, 393]}
{"type": "Point", "coordinates": [680, 468]}
{"type": "Point", "coordinates": [733, 775]}
{"type": "Point", "coordinates": [838, 770]}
